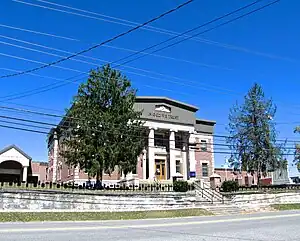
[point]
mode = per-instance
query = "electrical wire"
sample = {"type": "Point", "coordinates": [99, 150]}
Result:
{"type": "Point", "coordinates": [166, 31]}
{"type": "Point", "coordinates": [216, 19]}
{"type": "Point", "coordinates": [64, 116]}
{"type": "Point", "coordinates": [39, 62]}
{"type": "Point", "coordinates": [197, 34]}
{"type": "Point", "coordinates": [92, 58]}
{"type": "Point", "coordinates": [100, 44]}
{"type": "Point", "coordinates": [195, 150]}
{"type": "Point", "coordinates": [209, 144]}
{"type": "Point", "coordinates": [182, 80]}
{"type": "Point", "coordinates": [113, 47]}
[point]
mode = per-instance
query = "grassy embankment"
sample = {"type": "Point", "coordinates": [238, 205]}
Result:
{"type": "Point", "coordinates": [91, 216]}
{"type": "Point", "coordinates": [284, 207]}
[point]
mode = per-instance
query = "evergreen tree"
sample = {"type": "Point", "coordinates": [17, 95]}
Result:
{"type": "Point", "coordinates": [104, 131]}
{"type": "Point", "coordinates": [297, 152]}
{"type": "Point", "coordinates": [253, 135]}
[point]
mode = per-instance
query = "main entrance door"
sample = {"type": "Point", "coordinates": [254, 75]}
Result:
{"type": "Point", "coordinates": [160, 169]}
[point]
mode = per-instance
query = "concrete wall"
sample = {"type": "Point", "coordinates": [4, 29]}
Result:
{"type": "Point", "coordinates": [15, 200]}
{"type": "Point", "coordinates": [267, 198]}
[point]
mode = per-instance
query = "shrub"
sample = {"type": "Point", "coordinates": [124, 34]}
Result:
{"type": "Point", "coordinates": [180, 186]}
{"type": "Point", "coordinates": [230, 186]}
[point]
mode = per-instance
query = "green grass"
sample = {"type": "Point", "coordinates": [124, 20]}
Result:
{"type": "Point", "coordinates": [84, 216]}
{"type": "Point", "coordinates": [283, 207]}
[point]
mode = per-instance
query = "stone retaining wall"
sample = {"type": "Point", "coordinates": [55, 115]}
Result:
{"type": "Point", "coordinates": [266, 198]}
{"type": "Point", "coordinates": [45, 200]}
{"type": "Point", "coordinates": [25, 200]}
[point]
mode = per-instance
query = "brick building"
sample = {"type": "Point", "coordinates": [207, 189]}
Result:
{"type": "Point", "coordinates": [179, 145]}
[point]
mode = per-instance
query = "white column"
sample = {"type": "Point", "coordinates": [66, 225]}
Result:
{"type": "Point", "coordinates": [172, 154]}
{"type": "Point", "coordinates": [211, 146]}
{"type": "Point", "coordinates": [185, 159]}
{"type": "Point", "coordinates": [55, 157]}
{"type": "Point", "coordinates": [192, 157]}
{"type": "Point", "coordinates": [25, 173]}
{"type": "Point", "coordinates": [144, 164]}
{"type": "Point", "coordinates": [151, 155]}
{"type": "Point", "coordinates": [76, 173]}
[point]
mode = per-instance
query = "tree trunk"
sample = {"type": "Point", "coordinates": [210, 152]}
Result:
{"type": "Point", "coordinates": [99, 179]}
{"type": "Point", "coordinates": [99, 176]}
{"type": "Point", "coordinates": [258, 174]}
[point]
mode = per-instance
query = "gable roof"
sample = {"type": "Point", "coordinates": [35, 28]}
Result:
{"type": "Point", "coordinates": [158, 99]}
{"type": "Point", "coordinates": [17, 148]}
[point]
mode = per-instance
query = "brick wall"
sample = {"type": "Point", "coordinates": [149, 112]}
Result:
{"type": "Point", "coordinates": [203, 157]}
{"type": "Point", "coordinates": [229, 174]}
{"type": "Point", "coordinates": [139, 167]}
{"type": "Point", "coordinates": [39, 169]}
{"type": "Point", "coordinates": [67, 172]}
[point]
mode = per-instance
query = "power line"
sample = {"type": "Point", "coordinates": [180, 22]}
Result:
{"type": "Point", "coordinates": [139, 69]}
{"type": "Point", "coordinates": [216, 19]}
{"type": "Point", "coordinates": [100, 44]}
{"type": "Point", "coordinates": [197, 34]}
{"type": "Point", "coordinates": [24, 129]}
{"type": "Point", "coordinates": [83, 56]}
{"type": "Point", "coordinates": [27, 120]}
{"type": "Point", "coordinates": [189, 31]}
{"type": "Point", "coordinates": [63, 116]}
{"type": "Point", "coordinates": [37, 62]}
{"type": "Point", "coordinates": [55, 125]}
{"type": "Point", "coordinates": [44, 89]}
{"type": "Point", "coordinates": [195, 150]}
{"type": "Point", "coordinates": [162, 31]}
{"type": "Point", "coordinates": [113, 47]}
{"type": "Point", "coordinates": [22, 124]}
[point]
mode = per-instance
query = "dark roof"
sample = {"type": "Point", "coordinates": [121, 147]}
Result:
{"type": "Point", "coordinates": [153, 99]}
{"type": "Point", "coordinates": [17, 148]}
{"type": "Point", "coordinates": [207, 122]}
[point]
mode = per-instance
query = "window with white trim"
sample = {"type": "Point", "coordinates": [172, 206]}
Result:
{"type": "Point", "coordinates": [204, 170]}
{"type": "Point", "coordinates": [178, 166]}
{"type": "Point", "coordinates": [203, 145]}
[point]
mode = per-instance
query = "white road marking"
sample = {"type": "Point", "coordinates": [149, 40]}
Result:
{"type": "Point", "coordinates": [42, 229]}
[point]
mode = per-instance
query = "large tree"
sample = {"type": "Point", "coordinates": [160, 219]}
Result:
{"type": "Point", "coordinates": [103, 132]}
{"type": "Point", "coordinates": [252, 133]}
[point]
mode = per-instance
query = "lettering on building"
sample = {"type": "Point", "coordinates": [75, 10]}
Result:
{"type": "Point", "coordinates": [163, 116]}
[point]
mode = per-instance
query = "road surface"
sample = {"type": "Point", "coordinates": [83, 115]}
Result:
{"type": "Point", "coordinates": [284, 226]}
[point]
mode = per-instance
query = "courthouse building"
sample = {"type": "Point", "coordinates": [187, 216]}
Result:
{"type": "Point", "coordinates": [179, 145]}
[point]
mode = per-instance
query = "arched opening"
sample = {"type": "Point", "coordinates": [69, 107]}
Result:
{"type": "Point", "coordinates": [10, 171]}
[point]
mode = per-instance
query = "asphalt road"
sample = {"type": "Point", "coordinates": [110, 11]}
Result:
{"type": "Point", "coordinates": [275, 226]}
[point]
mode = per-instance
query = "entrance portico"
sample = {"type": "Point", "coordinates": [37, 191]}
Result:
{"type": "Point", "coordinates": [172, 126]}
{"type": "Point", "coordinates": [14, 164]}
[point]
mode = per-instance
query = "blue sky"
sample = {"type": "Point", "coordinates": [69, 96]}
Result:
{"type": "Point", "coordinates": [259, 48]}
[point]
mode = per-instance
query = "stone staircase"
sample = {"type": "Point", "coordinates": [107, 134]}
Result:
{"type": "Point", "coordinates": [219, 209]}
{"type": "Point", "coordinates": [210, 195]}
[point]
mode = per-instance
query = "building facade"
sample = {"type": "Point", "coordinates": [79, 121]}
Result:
{"type": "Point", "coordinates": [179, 145]}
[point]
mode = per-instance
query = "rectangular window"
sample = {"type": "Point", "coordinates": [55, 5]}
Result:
{"type": "Point", "coordinates": [178, 142]}
{"type": "Point", "coordinates": [178, 166]}
{"type": "Point", "coordinates": [204, 170]}
{"type": "Point", "coordinates": [203, 145]}
{"type": "Point", "coordinates": [158, 140]}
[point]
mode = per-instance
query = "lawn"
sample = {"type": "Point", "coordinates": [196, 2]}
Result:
{"type": "Point", "coordinates": [84, 216]}
{"type": "Point", "coordinates": [283, 207]}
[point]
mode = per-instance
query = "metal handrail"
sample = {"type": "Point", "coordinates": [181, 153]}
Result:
{"type": "Point", "coordinates": [209, 194]}
{"type": "Point", "coordinates": [220, 196]}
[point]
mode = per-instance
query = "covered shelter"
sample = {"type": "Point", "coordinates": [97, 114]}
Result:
{"type": "Point", "coordinates": [14, 165]}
